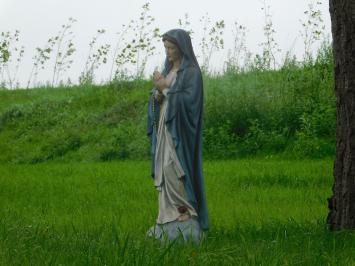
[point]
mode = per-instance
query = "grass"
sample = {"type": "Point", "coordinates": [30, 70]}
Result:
{"type": "Point", "coordinates": [92, 123]}
{"type": "Point", "coordinates": [262, 212]}
{"type": "Point", "coordinates": [288, 112]}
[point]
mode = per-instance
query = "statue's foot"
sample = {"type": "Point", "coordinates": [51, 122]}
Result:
{"type": "Point", "coordinates": [183, 217]}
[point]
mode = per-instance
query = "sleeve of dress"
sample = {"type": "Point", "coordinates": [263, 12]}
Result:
{"type": "Point", "coordinates": [192, 94]}
{"type": "Point", "coordinates": [187, 99]}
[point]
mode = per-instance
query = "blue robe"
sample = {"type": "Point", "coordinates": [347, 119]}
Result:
{"type": "Point", "coordinates": [184, 122]}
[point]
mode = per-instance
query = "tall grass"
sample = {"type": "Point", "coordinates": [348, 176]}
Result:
{"type": "Point", "coordinates": [288, 112]}
{"type": "Point", "coordinates": [262, 212]}
{"type": "Point", "coordinates": [291, 109]}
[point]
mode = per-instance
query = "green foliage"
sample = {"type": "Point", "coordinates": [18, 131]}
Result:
{"type": "Point", "coordinates": [212, 40]}
{"type": "Point", "coordinates": [265, 112]}
{"type": "Point", "coordinates": [289, 112]}
{"type": "Point", "coordinates": [40, 59]}
{"type": "Point", "coordinates": [186, 24]}
{"type": "Point", "coordinates": [270, 47]}
{"type": "Point", "coordinates": [11, 55]}
{"type": "Point", "coordinates": [237, 57]}
{"type": "Point", "coordinates": [63, 61]}
{"type": "Point", "coordinates": [312, 28]}
{"type": "Point", "coordinates": [96, 57]}
{"type": "Point", "coordinates": [141, 47]}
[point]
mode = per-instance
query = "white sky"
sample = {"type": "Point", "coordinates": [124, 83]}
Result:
{"type": "Point", "coordinates": [38, 20]}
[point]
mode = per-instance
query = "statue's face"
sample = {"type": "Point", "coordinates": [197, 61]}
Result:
{"type": "Point", "coordinates": [172, 51]}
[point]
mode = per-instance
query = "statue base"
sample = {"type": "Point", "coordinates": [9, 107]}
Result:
{"type": "Point", "coordinates": [186, 231]}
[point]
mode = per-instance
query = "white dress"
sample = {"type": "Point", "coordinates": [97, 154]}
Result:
{"type": "Point", "coordinates": [168, 171]}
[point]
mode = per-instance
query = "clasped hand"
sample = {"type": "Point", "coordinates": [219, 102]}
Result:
{"type": "Point", "coordinates": [159, 81]}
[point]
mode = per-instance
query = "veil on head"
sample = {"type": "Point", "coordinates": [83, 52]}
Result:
{"type": "Point", "coordinates": [182, 39]}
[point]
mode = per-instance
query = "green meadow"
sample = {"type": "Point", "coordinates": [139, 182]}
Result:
{"type": "Point", "coordinates": [262, 212]}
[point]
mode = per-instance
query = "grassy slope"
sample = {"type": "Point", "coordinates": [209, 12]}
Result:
{"type": "Point", "coordinates": [83, 123]}
{"type": "Point", "coordinates": [290, 112]}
